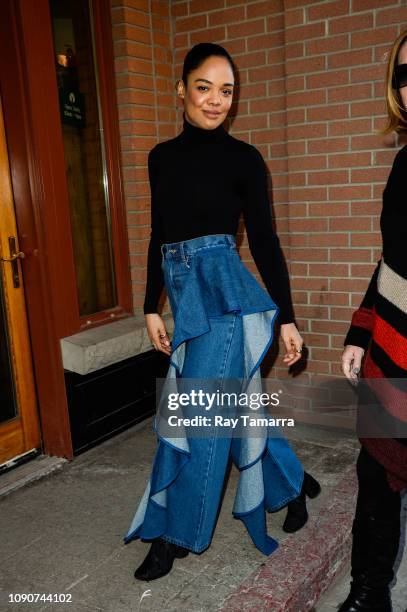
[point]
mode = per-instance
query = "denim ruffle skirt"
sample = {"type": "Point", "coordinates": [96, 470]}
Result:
{"type": "Point", "coordinates": [223, 327]}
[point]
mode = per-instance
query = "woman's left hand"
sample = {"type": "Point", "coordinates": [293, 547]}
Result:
{"type": "Point", "coordinates": [293, 343]}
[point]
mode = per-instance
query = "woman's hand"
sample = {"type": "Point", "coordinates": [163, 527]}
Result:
{"type": "Point", "coordinates": [157, 333]}
{"type": "Point", "coordinates": [352, 361]}
{"type": "Point", "coordinates": [293, 343]}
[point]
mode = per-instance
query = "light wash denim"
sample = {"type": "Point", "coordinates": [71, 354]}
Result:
{"type": "Point", "coordinates": [223, 327]}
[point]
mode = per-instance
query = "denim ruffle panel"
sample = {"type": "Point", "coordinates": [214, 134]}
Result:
{"type": "Point", "coordinates": [270, 475]}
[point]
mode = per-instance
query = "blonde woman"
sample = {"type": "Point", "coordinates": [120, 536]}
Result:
{"type": "Point", "coordinates": [379, 327]}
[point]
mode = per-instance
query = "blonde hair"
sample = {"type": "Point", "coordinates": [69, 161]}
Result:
{"type": "Point", "coordinates": [397, 114]}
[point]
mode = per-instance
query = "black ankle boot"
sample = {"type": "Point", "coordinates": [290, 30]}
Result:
{"type": "Point", "coordinates": [297, 514]}
{"type": "Point", "coordinates": [367, 599]}
{"type": "Point", "coordinates": [374, 550]}
{"type": "Point", "coordinates": [159, 560]}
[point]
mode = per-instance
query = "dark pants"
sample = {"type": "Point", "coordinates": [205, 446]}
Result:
{"type": "Point", "coordinates": [376, 528]}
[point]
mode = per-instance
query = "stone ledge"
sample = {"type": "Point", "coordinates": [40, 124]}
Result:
{"type": "Point", "coordinates": [306, 563]}
{"type": "Point", "coordinates": [99, 347]}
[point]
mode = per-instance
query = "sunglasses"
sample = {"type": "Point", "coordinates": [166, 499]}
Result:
{"type": "Point", "coordinates": [399, 76]}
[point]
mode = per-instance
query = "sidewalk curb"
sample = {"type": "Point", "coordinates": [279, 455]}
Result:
{"type": "Point", "coordinates": [306, 564]}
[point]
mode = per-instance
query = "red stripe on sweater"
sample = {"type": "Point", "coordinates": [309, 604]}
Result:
{"type": "Point", "coordinates": [363, 317]}
{"type": "Point", "coordinates": [394, 400]}
{"type": "Point", "coordinates": [392, 456]}
{"type": "Point", "coordinates": [389, 339]}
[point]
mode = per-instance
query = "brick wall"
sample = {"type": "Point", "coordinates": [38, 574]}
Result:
{"type": "Point", "coordinates": [143, 48]}
{"type": "Point", "coordinates": [311, 98]}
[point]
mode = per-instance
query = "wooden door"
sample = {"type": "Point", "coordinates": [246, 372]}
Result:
{"type": "Point", "coordinates": [19, 425]}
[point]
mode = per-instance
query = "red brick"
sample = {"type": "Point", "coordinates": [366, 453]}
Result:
{"type": "Point", "coordinates": [391, 15]}
{"type": "Point", "coordinates": [160, 24]}
{"type": "Point", "coordinates": [366, 208]}
{"type": "Point", "coordinates": [328, 269]}
{"type": "Point", "coordinates": [367, 108]}
{"type": "Point", "coordinates": [186, 24]}
{"type": "Point", "coordinates": [330, 209]}
{"type": "Point", "coordinates": [202, 6]}
{"type": "Point", "coordinates": [296, 115]}
{"type": "Point", "coordinates": [366, 142]}
{"type": "Point", "coordinates": [353, 192]}
{"type": "Point", "coordinates": [307, 98]}
{"type": "Point", "coordinates": [329, 327]}
{"type": "Point", "coordinates": [305, 32]}
{"type": "Point", "coordinates": [351, 23]}
{"type": "Point", "coordinates": [132, 49]}
{"type": "Point", "coordinates": [328, 240]}
{"type": "Point", "coordinates": [328, 145]}
{"type": "Point", "coordinates": [226, 16]}
{"type": "Point", "coordinates": [327, 45]}
{"type": "Point", "coordinates": [262, 41]}
{"type": "Point", "coordinates": [161, 38]}
{"type": "Point", "coordinates": [248, 60]}
{"type": "Point", "coordinates": [316, 340]}
{"type": "Point", "coordinates": [203, 35]}
{"type": "Point", "coordinates": [328, 298]}
{"type": "Point", "coordinates": [308, 194]}
{"type": "Point", "coordinates": [350, 93]}
{"type": "Point", "coordinates": [349, 160]}
{"type": "Point", "coordinates": [308, 225]}
{"type": "Point", "coordinates": [384, 157]}
{"type": "Point", "coordinates": [136, 143]}
{"type": "Point", "coordinates": [369, 175]}
{"type": "Point", "coordinates": [374, 37]}
{"type": "Point", "coordinates": [369, 5]}
{"type": "Point", "coordinates": [266, 73]}
{"type": "Point", "coordinates": [294, 50]}
{"type": "Point", "coordinates": [308, 162]}
{"type": "Point", "coordinates": [125, 18]}
{"type": "Point", "coordinates": [367, 73]}
{"type": "Point", "coordinates": [350, 58]}
{"type": "Point", "coordinates": [247, 28]}
{"type": "Point", "coordinates": [368, 239]}
{"type": "Point", "coordinates": [328, 9]}
{"type": "Point", "coordinates": [328, 178]}
{"type": "Point", "coordinates": [350, 255]}
{"type": "Point", "coordinates": [356, 126]}
{"type": "Point", "coordinates": [275, 22]}
{"type": "Point", "coordinates": [349, 224]}
{"type": "Point", "coordinates": [326, 354]}
{"type": "Point", "coordinates": [179, 9]}
{"type": "Point", "coordinates": [262, 9]}
{"type": "Point", "coordinates": [139, 34]}
{"type": "Point", "coordinates": [295, 83]}
{"type": "Point", "coordinates": [362, 270]}
{"type": "Point", "coordinates": [235, 47]}
{"type": "Point", "coordinates": [133, 65]}
{"type": "Point", "coordinates": [294, 17]}
{"type": "Point", "coordinates": [311, 312]}
{"type": "Point", "coordinates": [308, 255]}
{"type": "Point", "coordinates": [328, 79]}
{"type": "Point", "coordinates": [328, 112]}
{"type": "Point", "coordinates": [136, 112]}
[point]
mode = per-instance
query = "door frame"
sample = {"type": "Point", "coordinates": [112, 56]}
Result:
{"type": "Point", "coordinates": [35, 180]}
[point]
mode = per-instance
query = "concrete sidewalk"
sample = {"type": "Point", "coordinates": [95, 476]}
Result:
{"type": "Point", "coordinates": [64, 534]}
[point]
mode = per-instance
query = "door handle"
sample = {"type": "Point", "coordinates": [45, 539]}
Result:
{"type": "Point", "coordinates": [19, 255]}
{"type": "Point", "coordinates": [14, 255]}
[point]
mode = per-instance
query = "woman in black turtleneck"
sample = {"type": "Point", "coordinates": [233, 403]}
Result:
{"type": "Point", "coordinates": [201, 182]}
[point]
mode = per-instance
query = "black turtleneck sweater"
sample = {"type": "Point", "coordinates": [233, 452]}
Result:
{"type": "Point", "coordinates": [201, 181]}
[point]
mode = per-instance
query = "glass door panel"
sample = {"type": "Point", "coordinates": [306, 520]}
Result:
{"type": "Point", "coordinates": [82, 131]}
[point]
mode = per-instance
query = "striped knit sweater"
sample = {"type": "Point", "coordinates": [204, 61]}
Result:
{"type": "Point", "coordinates": [380, 324]}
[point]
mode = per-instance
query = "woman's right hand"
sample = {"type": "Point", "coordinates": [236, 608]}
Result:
{"type": "Point", "coordinates": [157, 333]}
{"type": "Point", "coordinates": [352, 362]}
